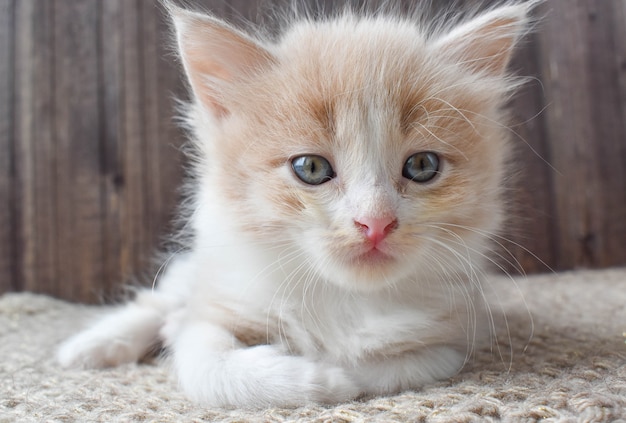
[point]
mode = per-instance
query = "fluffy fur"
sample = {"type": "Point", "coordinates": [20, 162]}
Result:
{"type": "Point", "coordinates": [369, 283]}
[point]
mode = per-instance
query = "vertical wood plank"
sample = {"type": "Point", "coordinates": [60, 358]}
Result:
{"type": "Point", "coordinates": [44, 121]}
{"type": "Point", "coordinates": [585, 133]}
{"type": "Point", "coordinates": [151, 140]}
{"type": "Point", "coordinates": [111, 91]}
{"type": "Point", "coordinates": [618, 242]}
{"type": "Point", "coordinates": [530, 202]}
{"type": "Point", "coordinates": [35, 161]}
{"type": "Point", "coordinates": [25, 264]}
{"type": "Point", "coordinates": [8, 245]}
{"type": "Point", "coordinates": [133, 211]}
{"type": "Point", "coordinates": [619, 37]}
{"type": "Point", "coordinates": [163, 140]}
{"type": "Point", "coordinates": [79, 212]}
{"type": "Point", "coordinates": [171, 87]}
{"type": "Point", "coordinates": [608, 70]}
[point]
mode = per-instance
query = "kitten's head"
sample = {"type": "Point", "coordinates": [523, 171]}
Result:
{"type": "Point", "coordinates": [373, 148]}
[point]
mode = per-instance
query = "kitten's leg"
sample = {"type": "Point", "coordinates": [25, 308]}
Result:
{"type": "Point", "coordinates": [408, 371]}
{"type": "Point", "coordinates": [123, 336]}
{"type": "Point", "coordinates": [215, 369]}
{"type": "Point", "coordinates": [128, 333]}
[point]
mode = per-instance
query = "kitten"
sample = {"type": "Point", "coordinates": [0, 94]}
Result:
{"type": "Point", "coordinates": [348, 177]}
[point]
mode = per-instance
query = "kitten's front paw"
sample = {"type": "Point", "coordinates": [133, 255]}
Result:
{"type": "Point", "coordinates": [332, 385]}
{"type": "Point", "coordinates": [121, 337]}
{"type": "Point", "coordinates": [262, 376]}
{"type": "Point", "coordinates": [88, 350]}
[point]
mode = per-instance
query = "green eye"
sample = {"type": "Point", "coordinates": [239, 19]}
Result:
{"type": "Point", "coordinates": [312, 170]}
{"type": "Point", "coordinates": [421, 167]}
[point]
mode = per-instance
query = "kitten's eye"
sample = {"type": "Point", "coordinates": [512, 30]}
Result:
{"type": "Point", "coordinates": [313, 170]}
{"type": "Point", "coordinates": [421, 167]}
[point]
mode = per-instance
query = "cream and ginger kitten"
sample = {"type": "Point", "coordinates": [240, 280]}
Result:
{"type": "Point", "coordinates": [348, 178]}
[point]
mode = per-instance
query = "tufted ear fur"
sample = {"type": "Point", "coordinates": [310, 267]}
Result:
{"type": "Point", "coordinates": [485, 43]}
{"type": "Point", "coordinates": [214, 55]}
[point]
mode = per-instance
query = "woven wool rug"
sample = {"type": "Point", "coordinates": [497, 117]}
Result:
{"type": "Point", "coordinates": [567, 364]}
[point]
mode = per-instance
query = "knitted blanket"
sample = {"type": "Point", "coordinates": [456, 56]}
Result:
{"type": "Point", "coordinates": [566, 363]}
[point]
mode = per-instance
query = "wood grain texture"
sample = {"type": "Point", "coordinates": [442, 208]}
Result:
{"type": "Point", "coordinates": [581, 72]}
{"type": "Point", "coordinates": [8, 281]}
{"type": "Point", "coordinates": [111, 92]}
{"type": "Point", "coordinates": [528, 234]}
{"type": "Point", "coordinates": [90, 162]}
{"type": "Point", "coordinates": [77, 132]}
{"type": "Point", "coordinates": [35, 148]}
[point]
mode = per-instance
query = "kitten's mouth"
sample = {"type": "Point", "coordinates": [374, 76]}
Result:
{"type": "Point", "coordinates": [374, 256]}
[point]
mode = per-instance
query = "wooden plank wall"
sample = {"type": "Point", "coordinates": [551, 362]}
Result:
{"type": "Point", "coordinates": [90, 161]}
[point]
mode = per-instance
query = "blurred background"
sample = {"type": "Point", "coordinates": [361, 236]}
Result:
{"type": "Point", "coordinates": [90, 160]}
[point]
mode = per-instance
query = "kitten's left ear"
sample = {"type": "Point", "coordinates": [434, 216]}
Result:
{"type": "Point", "coordinates": [485, 43]}
{"type": "Point", "coordinates": [215, 55]}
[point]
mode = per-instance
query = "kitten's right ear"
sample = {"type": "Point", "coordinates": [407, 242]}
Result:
{"type": "Point", "coordinates": [485, 43]}
{"type": "Point", "coordinates": [214, 55]}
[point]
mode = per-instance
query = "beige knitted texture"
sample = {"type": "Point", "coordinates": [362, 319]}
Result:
{"type": "Point", "coordinates": [571, 369]}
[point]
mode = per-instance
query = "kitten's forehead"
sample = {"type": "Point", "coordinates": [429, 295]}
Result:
{"type": "Point", "coordinates": [351, 57]}
{"type": "Point", "coordinates": [354, 77]}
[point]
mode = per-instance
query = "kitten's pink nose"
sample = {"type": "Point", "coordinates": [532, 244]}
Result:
{"type": "Point", "coordinates": [376, 229]}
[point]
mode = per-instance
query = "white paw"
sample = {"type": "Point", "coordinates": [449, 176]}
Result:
{"type": "Point", "coordinates": [300, 379]}
{"type": "Point", "coordinates": [263, 376]}
{"type": "Point", "coordinates": [121, 337]}
{"type": "Point", "coordinates": [89, 350]}
{"type": "Point", "coordinates": [334, 386]}
{"type": "Point", "coordinates": [408, 371]}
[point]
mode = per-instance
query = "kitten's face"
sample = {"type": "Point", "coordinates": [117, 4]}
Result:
{"type": "Point", "coordinates": [363, 152]}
